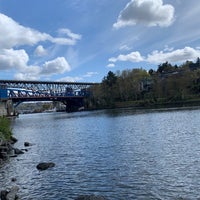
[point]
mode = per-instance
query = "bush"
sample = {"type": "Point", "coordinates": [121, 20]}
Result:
{"type": "Point", "coordinates": [5, 130]}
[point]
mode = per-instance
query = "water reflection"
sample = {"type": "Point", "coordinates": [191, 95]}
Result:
{"type": "Point", "coordinates": [121, 154]}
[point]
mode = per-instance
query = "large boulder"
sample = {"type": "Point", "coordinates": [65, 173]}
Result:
{"type": "Point", "coordinates": [45, 165]}
{"type": "Point", "coordinates": [13, 140]}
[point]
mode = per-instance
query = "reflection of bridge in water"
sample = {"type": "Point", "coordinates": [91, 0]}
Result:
{"type": "Point", "coordinates": [14, 92]}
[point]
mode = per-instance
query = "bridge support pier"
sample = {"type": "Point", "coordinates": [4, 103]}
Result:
{"type": "Point", "coordinates": [3, 110]}
{"type": "Point", "coordinates": [7, 108]}
{"type": "Point", "coordinates": [73, 105]}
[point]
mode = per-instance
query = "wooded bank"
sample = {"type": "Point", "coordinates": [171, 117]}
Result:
{"type": "Point", "coordinates": [169, 85]}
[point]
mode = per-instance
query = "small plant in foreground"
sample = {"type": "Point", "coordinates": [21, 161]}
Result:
{"type": "Point", "coordinates": [5, 130]}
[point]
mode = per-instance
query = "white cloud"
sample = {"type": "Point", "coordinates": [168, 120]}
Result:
{"type": "Point", "coordinates": [124, 47]}
{"type": "Point", "coordinates": [71, 35]}
{"type": "Point", "coordinates": [13, 59]}
{"type": "Point", "coordinates": [176, 56]}
{"type": "Point", "coordinates": [147, 12]}
{"type": "Point", "coordinates": [132, 57]}
{"type": "Point", "coordinates": [71, 40]}
{"type": "Point", "coordinates": [56, 66]}
{"type": "Point", "coordinates": [111, 65]}
{"type": "Point", "coordinates": [15, 34]}
{"type": "Point", "coordinates": [70, 79]}
{"type": "Point", "coordinates": [28, 73]}
{"type": "Point", "coordinates": [31, 73]}
{"type": "Point", "coordinates": [63, 41]}
{"type": "Point", "coordinates": [17, 60]}
{"type": "Point", "coordinates": [90, 74]}
{"type": "Point", "coordinates": [167, 48]}
{"type": "Point", "coordinates": [157, 57]}
{"type": "Point", "coordinates": [78, 78]}
{"type": "Point", "coordinates": [40, 51]}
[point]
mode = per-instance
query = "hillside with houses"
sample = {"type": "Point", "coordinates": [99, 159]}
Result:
{"type": "Point", "coordinates": [168, 85]}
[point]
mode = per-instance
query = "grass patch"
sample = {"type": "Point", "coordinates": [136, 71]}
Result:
{"type": "Point", "coordinates": [5, 130]}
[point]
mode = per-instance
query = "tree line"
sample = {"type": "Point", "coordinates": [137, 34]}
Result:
{"type": "Point", "coordinates": [168, 84]}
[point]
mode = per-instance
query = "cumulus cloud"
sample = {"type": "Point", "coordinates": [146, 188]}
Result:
{"type": "Point", "coordinates": [157, 57]}
{"type": "Point", "coordinates": [11, 59]}
{"type": "Point", "coordinates": [15, 34]}
{"type": "Point", "coordinates": [132, 57]}
{"type": "Point", "coordinates": [40, 51]}
{"type": "Point", "coordinates": [17, 60]}
{"type": "Point", "coordinates": [176, 56]}
{"type": "Point", "coordinates": [111, 65]}
{"type": "Point", "coordinates": [29, 73]}
{"type": "Point", "coordinates": [56, 66]}
{"type": "Point", "coordinates": [147, 12]}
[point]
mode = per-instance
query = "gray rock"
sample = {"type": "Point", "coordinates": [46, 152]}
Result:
{"type": "Point", "coordinates": [27, 144]}
{"type": "Point", "coordinates": [18, 151]}
{"type": "Point", "coordinates": [3, 155]}
{"type": "Point", "coordinates": [3, 195]}
{"type": "Point", "coordinates": [12, 194]}
{"type": "Point", "coordinates": [45, 165]}
{"type": "Point", "coordinates": [13, 140]}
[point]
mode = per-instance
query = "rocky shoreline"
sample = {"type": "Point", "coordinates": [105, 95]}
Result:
{"type": "Point", "coordinates": [7, 150]}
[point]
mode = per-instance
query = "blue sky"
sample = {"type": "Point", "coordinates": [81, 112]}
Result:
{"type": "Point", "coordinates": [81, 40]}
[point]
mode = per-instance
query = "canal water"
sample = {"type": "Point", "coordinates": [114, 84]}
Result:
{"type": "Point", "coordinates": [119, 154]}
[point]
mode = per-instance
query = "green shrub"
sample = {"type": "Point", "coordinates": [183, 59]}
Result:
{"type": "Point", "coordinates": [5, 130]}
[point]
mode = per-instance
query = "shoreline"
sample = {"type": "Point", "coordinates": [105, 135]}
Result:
{"type": "Point", "coordinates": [146, 105]}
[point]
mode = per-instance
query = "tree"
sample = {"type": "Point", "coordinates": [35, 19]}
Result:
{"type": "Point", "coordinates": [151, 71]}
{"type": "Point", "coordinates": [165, 68]}
{"type": "Point", "coordinates": [195, 66]}
{"type": "Point", "coordinates": [109, 88]}
{"type": "Point", "coordinates": [110, 79]}
{"type": "Point", "coordinates": [198, 62]}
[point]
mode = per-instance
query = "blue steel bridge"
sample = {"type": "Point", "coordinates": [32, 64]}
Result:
{"type": "Point", "coordinates": [69, 93]}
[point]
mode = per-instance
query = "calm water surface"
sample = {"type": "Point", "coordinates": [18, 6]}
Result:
{"type": "Point", "coordinates": [120, 154]}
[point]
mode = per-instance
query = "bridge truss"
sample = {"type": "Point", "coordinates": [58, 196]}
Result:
{"type": "Point", "coordinates": [20, 91]}
{"type": "Point", "coordinates": [45, 85]}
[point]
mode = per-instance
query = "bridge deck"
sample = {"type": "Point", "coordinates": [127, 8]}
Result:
{"type": "Point", "coordinates": [50, 98]}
